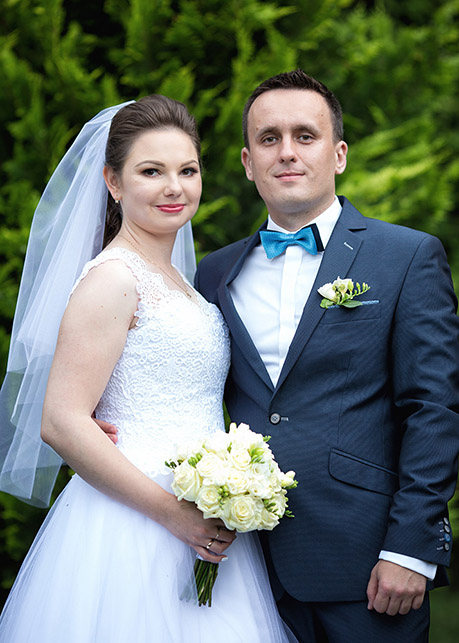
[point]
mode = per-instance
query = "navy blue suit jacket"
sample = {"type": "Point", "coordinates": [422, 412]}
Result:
{"type": "Point", "coordinates": [368, 399]}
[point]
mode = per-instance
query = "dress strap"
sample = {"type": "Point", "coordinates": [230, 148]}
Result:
{"type": "Point", "coordinates": [132, 260]}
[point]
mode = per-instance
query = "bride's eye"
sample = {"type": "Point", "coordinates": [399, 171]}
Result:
{"type": "Point", "coordinates": [150, 171]}
{"type": "Point", "coordinates": [189, 171]}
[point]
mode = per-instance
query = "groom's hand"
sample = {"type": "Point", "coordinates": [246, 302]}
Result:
{"type": "Point", "coordinates": [393, 589]}
{"type": "Point", "coordinates": [109, 429]}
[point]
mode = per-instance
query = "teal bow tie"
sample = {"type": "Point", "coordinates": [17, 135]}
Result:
{"type": "Point", "coordinates": [275, 242]}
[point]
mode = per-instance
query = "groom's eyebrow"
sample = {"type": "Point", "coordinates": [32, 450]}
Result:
{"type": "Point", "coordinates": [276, 130]}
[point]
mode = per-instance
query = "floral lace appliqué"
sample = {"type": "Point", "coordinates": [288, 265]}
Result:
{"type": "Point", "coordinates": [167, 386]}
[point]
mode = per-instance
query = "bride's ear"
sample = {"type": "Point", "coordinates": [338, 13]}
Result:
{"type": "Point", "coordinates": [112, 182]}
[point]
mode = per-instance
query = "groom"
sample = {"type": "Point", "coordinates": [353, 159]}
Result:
{"type": "Point", "coordinates": [362, 402]}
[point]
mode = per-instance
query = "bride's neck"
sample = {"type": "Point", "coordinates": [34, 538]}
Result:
{"type": "Point", "coordinates": [157, 250]}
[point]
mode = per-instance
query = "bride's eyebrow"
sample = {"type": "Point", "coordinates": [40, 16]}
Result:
{"type": "Point", "coordinates": [151, 162]}
{"type": "Point", "coordinates": [148, 162]}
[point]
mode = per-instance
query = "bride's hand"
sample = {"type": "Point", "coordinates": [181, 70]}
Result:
{"type": "Point", "coordinates": [208, 537]}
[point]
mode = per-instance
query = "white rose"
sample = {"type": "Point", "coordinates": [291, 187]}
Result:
{"type": "Point", "coordinates": [279, 503]}
{"type": "Point", "coordinates": [236, 481]}
{"type": "Point", "coordinates": [259, 487]}
{"type": "Point", "coordinates": [208, 501]}
{"type": "Point", "coordinates": [240, 458]}
{"type": "Point", "coordinates": [261, 469]}
{"type": "Point", "coordinates": [187, 482]}
{"type": "Point", "coordinates": [328, 292]}
{"type": "Point", "coordinates": [274, 482]}
{"type": "Point", "coordinates": [241, 513]}
{"type": "Point", "coordinates": [268, 520]}
{"type": "Point", "coordinates": [208, 465]}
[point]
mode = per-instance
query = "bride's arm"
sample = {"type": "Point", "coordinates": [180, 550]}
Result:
{"type": "Point", "coordinates": [91, 339]}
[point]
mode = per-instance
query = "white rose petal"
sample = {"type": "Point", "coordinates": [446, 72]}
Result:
{"type": "Point", "coordinates": [261, 469]}
{"type": "Point", "coordinates": [279, 502]}
{"type": "Point", "coordinates": [241, 513]}
{"type": "Point", "coordinates": [208, 501]}
{"type": "Point", "coordinates": [268, 520]}
{"type": "Point", "coordinates": [328, 292]}
{"type": "Point", "coordinates": [187, 482]}
{"type": "Point", "coordinates": [259, 487]}
{"type": "Point", "coordinates": [236, 481]}
{"type": "Point", "coordinates": [209, 465]}
{"type": "Point", "coordinates": [240, 458]}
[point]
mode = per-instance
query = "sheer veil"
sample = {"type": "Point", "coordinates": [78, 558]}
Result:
{"type": "Point", "coordinates": [67, 231]}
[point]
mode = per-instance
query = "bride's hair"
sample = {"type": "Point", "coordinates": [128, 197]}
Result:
{"type": "Point", "coordinates": [153, 112]}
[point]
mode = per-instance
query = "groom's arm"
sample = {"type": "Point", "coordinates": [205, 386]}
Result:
{"type": "Point", "coordinates": [425, 379]}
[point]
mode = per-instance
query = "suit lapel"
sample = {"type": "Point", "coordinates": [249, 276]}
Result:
{"type": "Point", "coordinates": [339, 256]}
{"type": "Point", "coordinates": [238, 331]}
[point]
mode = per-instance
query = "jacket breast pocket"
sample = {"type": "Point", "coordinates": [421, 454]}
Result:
{"type": "Point", "coordinates": [361, 473]}
{"type": "Point", "coordinates": [340, 314]}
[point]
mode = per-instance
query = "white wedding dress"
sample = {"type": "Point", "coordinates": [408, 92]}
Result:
{"type": "Point", "coordinates": [100, 572]}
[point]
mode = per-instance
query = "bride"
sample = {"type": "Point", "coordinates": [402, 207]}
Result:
{"type": "Point", "coordinates": [139, 347]}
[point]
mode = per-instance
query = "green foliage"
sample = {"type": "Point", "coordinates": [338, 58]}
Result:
{"type": "Point", "coordinates": [394, 65]}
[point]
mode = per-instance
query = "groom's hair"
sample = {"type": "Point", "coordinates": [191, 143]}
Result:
{"type": "Point", "coordinates": [297, 79]}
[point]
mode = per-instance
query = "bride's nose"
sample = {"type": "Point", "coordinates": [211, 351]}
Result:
{"type": "Point", "coordinates": [173, 186]}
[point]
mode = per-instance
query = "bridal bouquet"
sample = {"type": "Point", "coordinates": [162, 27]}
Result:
{"type": "Point", "coordinates": [232, 476]}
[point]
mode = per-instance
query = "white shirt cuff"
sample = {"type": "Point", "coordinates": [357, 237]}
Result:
{"type": "Point", "coordinates": [420, 566]}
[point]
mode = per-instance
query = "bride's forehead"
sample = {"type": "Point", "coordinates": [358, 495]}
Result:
{"type": "Point", "coordinates": [162, 138]}
{"type": "Point", "coordinates": [165, 143]}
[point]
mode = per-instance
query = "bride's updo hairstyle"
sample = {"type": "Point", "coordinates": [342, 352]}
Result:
{"type": "Point", "coordinates": [153, 112]}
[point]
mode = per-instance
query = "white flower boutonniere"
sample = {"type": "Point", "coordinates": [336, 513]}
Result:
{"type": "Point", "coordinates": [341, 293]}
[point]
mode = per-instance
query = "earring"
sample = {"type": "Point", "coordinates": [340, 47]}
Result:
{"type": "Point", "coordinates": [117, 201]}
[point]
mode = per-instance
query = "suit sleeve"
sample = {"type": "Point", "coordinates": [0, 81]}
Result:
{"type": "Point", "coordinates": [425, 381]}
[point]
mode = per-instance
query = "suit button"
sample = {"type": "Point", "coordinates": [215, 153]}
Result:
{"type": "Point", "coordinates": [447, 537]}
{"type": "Point", "coordinates": [447, 528]}
{"type": "Point", "coordinates": [446, 546]}
{"type": "Point", "coordinates": [446, 521]}
{"type": "Point", "coordinates": [274, 418]}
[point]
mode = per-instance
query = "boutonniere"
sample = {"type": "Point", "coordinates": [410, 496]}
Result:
{"type": "Point", "coordinates": [341, 293]}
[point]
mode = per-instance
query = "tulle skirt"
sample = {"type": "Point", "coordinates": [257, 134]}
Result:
{"type": "Point", "coordinates": [100, 572]}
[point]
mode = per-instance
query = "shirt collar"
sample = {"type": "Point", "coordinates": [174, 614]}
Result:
{"type": "Point", "coordinates": [325, 222]}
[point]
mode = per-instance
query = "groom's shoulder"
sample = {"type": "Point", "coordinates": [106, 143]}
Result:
{"type": "Point", "coordinates": [219, 259]}
{"type": "Point", "coordinates": [382, 229]}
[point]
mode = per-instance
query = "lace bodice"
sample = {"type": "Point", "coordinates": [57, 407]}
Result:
{"type": "Point", "coordinates": [167, 386]}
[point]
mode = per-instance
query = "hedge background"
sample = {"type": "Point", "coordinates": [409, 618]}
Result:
{"type": "Point", "coordinates": [394, 65]}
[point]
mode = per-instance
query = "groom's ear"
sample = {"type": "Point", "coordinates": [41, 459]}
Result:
{"type": "Point", "coordinates": [341, 157]}
{"type": "Point", "coordinates": [247, 162]}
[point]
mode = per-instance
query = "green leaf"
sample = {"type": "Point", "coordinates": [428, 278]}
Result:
{"type": "Point", "coordinates": [351, 303]}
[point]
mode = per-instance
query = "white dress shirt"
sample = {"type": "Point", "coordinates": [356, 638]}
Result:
{"type": "Point", "coordinates": [269, 296]}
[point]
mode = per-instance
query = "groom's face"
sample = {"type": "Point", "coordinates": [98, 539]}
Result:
{"type": "Point", "coordinates": [292, 155]}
